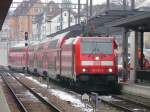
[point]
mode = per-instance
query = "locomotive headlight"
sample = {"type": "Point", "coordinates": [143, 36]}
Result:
{"type": "Point", "coordinates": [96, 58]}
{"type": "Point", "coordinates": [110, 70]}
{"type": "Point", "coordinates": [83, 70]}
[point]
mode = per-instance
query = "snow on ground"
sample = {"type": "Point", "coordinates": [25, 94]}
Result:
{"type": "Point", "coordinates": [65, 96]}
{"type": "Point", "coordinates": [108, 98]}
{"type": "Point", "coordinates": [43, 97]}
{"type": "Point", "coordinates": [21, 74]}
{"type": "Point", "coordinates": [37, 82]}
{"type": "Point", "coordinates": [13, 78]}
{"type": "Point", "coordinates": [68, 97]}
{"type": "Point", "coordinates": [31, 96]}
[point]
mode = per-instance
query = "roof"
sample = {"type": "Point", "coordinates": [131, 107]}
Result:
{"type": "Point", "coordinates": [98, 23]}
{"type": "Point", "coordinates": [38, 18]}
{"type": "Point", "coordinates": [24, 7]}
{"type": "Point", "coordinates": [4, 7]}
{"type": "Point", "coordinates": [56, 10]}
{"type": "Point", "coordinates": [138, 22]}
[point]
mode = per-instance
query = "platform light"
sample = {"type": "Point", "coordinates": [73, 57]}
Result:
{"type": "Point", "coordinates": [96, 58]}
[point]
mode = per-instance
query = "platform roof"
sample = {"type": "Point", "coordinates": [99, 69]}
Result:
{"type": "Point", "coordinates": [139, 22]}
{"type": "Point", "coordinates": [4, 7]}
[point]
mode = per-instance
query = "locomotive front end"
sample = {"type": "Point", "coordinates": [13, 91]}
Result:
{"type": "Point", "coordinates": [98, 61]}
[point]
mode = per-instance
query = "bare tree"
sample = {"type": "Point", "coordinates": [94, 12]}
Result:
{"type": "Point", "coordinates": [120, 2]}
{"type": "Point", "coordinates": [124, 3]}
{"type": "Point", "coordinates": [138, 2]}
{"type": "Point", "coordinates": [128, 2]}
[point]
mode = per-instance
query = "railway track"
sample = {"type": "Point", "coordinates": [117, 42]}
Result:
{"type": "Point", "coordinates": [127, 105]}
{"type": "Point", "coordinates": [135, 99]}
{"type": "Point", "coordinates": [26, 98]}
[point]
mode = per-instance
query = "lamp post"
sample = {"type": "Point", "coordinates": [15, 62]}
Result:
{"type": "Point", "coordinates": [49, 21]}
{"type": "Point", "coordinates": [78, 11]}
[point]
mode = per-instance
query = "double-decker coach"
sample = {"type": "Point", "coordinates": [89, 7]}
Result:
{"type": "Point", "coordinates": [18, 57]}
{"type": "Point", "coordinates": [32, 59]}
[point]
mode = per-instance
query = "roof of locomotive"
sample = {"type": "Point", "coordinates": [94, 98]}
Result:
{"type": "Point", "coordinates": [67, 35]}
{"type": "Point", "coordinates": [34, 43]}
{"type": "Point", "coordinates": [101, 37]}
{"type": "Point", "coordinates": [54, 38]}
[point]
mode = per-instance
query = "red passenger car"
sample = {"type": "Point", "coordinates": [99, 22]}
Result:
{"type": "Point", "coordinates": [18, 58]}
{"type": "Point", "coordinates": [32, 60]}
{"type": "Point", "coordinates": [49, 57]}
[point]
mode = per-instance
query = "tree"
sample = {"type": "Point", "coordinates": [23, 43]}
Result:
{"type": "Point", "coordinates": [120, 2]}
{"type": "Point", "coordinates": [138, 2]}
{"type": "Point", "coordinates": [128, 2]}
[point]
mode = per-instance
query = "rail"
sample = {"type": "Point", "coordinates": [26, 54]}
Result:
{"type": "Point", "coordinates": [52, 107]}
{"type": "Point", "coordinates": [125, 105]}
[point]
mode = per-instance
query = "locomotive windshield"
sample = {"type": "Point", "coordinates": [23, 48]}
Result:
{"type": "Point", "coordinates": [96, 47]}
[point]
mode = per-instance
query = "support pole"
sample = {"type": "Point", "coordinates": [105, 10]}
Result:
{"type": "Point", "coordinates": [134, 57]}
{"type": "Point", "coordinates": [108, 5]}
{"type": "Point", "coordinates": [87, 8]}
{"type": "Point", "coordinates": [68, 17]}
{"type": "Point", "coordinates": [132, 4]}
{"type": "Point", "coordinates": [142, 43]}
{"type": "Point", "coordinates": [91, 4]}
{"type": "Point", "coordinates": [61, 16]}
{"type": "Point", "coordinates": [124, 4]}
{"type": "Point", "coordinates": [78, 11]}
{"type": "Point", "coordinates": [125, 54]}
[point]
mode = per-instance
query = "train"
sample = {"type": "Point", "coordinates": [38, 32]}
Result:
{"type": "Point", "coordinates": [78, 60]}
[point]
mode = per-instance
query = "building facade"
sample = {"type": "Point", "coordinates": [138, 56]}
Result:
{"type": "Point", "coordinates": [53, 19]}
{"type": "Point", "coordinates": [21, 19]}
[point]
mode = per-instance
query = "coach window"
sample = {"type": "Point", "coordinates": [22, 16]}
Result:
{"type": "Point", "coordinates": [53, 44]}
{"type": "Point", "coordinates": [40, 47]}
{"type": "Point", "coordinates": [70, 41]}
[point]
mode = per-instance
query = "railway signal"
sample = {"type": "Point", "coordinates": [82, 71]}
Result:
{"type": "Point", "coordinates": [26, 39]}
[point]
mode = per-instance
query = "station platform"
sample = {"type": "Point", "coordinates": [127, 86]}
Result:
{"type": "Point", "coordinates": [137, 89]}
{"type": "Point", "coordinates": [3, 103]}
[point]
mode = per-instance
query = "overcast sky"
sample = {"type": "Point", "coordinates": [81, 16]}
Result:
{"type": "Point", "coordinates": [146, 3]}
{"type": "Point", "coordinates": [74, 1]}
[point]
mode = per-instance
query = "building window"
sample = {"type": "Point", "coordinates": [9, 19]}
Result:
{"type": "Point", "coordinates": [37, 10]}
{"type": "Point", "coordinates": [50, 9]}
{"type": "Point", "coordinates": [58, 28]}
{"type": "Point", "coordinates": [65, 14]}
{"type": "Point", "coordinates": [71, 19]}
{"type": "Point", "coordinates": [59, 19]}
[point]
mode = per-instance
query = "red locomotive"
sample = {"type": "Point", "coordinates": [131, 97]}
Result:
{"type": "Point", "coordinates": [75, 60]}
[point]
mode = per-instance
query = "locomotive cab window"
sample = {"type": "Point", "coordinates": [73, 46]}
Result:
{"type": "Point", "coordinates": [96, 47]}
